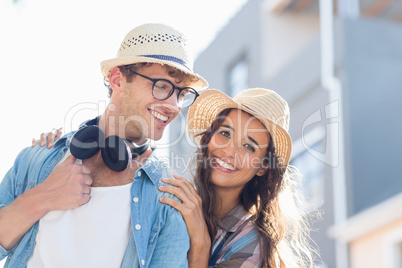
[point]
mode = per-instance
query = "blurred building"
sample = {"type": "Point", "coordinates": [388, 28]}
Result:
{"type": "Point", "coordinates": [343, 82]}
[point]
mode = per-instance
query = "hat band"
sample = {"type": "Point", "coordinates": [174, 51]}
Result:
{"type": "Point", "coordinates": [168, 58]}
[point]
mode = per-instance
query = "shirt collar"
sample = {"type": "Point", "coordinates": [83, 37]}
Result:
{"type": "Point", "coordinates": [234, 219]}
{"type": "Point", "coordinates": [153, 167]}
{"type": "Point", "coordinates": [64, 140]}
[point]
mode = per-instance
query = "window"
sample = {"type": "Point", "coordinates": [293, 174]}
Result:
{"type": "Point", "coordinates": [311, 166]}
{"type": "Point", "coordinates": [238, 77]}
{"type": "Point", "coordinates": [312, 170]}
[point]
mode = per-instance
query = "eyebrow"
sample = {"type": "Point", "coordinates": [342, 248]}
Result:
{"type": "Point", "coordinates": [251, 139]}
{"type": "Point", "coordinates": [254, 141]}
{"type": "Point", "coordinates": [227, 126]}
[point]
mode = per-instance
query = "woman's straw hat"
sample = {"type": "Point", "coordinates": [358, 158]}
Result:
{"type": "Point", "coordinates": [155, 43]}
{"type": "Point", "coordinates": [266, 105]}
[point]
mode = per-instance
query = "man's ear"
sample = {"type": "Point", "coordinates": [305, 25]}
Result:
{"type": "Point", "coordinates": [115, 79]}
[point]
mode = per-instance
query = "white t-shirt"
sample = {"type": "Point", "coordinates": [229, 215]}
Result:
{"type": "Point", "coordinates": [95, 234]}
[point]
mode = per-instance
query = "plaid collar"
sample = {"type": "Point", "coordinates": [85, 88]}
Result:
{"type": "Point", "coordinates": [234, 219]}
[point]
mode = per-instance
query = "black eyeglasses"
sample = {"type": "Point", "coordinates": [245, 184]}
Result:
{"type": "Point", "coordinates": [162, 89]}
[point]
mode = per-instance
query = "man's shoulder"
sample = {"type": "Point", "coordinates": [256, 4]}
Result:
{"type": "Point", "coordinates": [38, 152]}
{"type": "Point", "coordinates": [32, 159]}
{"type": "Point", "coordinates": [32, 155]}
{"type": "Point", "coordinates": [157, 169]}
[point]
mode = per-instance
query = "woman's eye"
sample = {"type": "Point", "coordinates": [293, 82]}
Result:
{"type": "Point", "coordinates": [249, 147]}
{"type": "Point", "coordinates": [225, 134]}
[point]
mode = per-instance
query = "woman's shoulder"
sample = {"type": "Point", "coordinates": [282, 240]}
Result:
{"type": "Point", "coordinates": [242, 248]}
{"type": "Point", "coordinates": [238, 239]}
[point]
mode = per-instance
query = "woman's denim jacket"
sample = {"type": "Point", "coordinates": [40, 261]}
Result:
{"type": "Point", "coordinates": [162, 240]}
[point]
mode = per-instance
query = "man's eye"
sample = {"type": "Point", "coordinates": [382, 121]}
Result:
{"type": "Point", "coordinates": [162, 85]}
{"type": "Point", "coordinates": [182, 95]}
{"type": "Point", "coordinates": [184, 92]}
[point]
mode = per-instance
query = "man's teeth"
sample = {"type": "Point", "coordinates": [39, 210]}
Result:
{"type": "Point", "coordinates": [224, 164]}
{"type": "Point", "coordinates": [159, 116]}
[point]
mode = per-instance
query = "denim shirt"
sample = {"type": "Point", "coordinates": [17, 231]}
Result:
{"type": "Point", "coordinates": [159, 237]}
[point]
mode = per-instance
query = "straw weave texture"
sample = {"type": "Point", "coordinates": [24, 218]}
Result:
{"type": "Point", "coordinates": [155, 43]}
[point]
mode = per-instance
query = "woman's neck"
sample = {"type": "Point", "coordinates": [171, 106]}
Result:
{"type": "Point", "coordinates": [226, 201]}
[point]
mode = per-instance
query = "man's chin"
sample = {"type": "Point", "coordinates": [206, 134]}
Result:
{"type": "Point", "coordinates": [156, 136]}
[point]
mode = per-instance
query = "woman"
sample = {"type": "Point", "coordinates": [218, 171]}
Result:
{"type": "Point", "coordinates": [244, 210]}
{"type": "Point", "coordinates": [244, 181]}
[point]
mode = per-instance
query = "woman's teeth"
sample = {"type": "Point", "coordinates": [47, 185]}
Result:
{"type": "Point", "coordinates": [224, 164]}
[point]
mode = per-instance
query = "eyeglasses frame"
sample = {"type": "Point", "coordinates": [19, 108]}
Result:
{"type": "Point", "coordinates": [155, 80]}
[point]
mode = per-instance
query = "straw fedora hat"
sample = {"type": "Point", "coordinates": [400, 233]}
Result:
{"type": "Point", "coordinates": [264, 104]}
{"type": "Point", "coordinates": [155, 43]}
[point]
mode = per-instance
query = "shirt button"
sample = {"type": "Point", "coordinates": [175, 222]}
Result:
{"type": "Point", "coordinates": [139, 173]}
{"type": "Point", "coordinates": [135, 199]}
{"type": "Point", "coordinates": [138, 227]}
{"type": "Point", "coordinates": [142, 262]}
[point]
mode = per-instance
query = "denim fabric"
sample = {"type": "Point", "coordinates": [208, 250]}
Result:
{"type": "Point", "coordinates": [159, 237]}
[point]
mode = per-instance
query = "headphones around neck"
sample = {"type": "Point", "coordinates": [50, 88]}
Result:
{"type": "Point", "coordinates": [116, 152]}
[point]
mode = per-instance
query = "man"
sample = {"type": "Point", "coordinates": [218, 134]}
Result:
{"type": "Point", "coordinates": [57, 212]}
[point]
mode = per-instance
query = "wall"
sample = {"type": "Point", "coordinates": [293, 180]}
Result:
{"type": "Point", "coordinates": [375, 250]}
{"type": "Point", "coordinates": [372, 78]}
{"type": "Point", "coordinates": [239, 37]}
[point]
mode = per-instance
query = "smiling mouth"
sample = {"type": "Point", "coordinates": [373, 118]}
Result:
{"type": "Point", "coordinates": [223, 164]}
{"type": "Point", "coordinates": [159, 116]}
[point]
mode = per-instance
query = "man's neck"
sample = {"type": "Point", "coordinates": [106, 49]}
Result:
{"type": "Point", "coordinates": [104, 177]}
{"type": "Point", "coordinates": [109, 123]}
{"type": "Point", "coordinates": [101, 174]}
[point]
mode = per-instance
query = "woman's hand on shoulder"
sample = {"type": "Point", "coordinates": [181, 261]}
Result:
{"type": "Point", "coordinates": [191, 210]}
{"type": "Point", "coordinates": [48, 138]}
{"type": "Point", "coordinates": [191, 206]}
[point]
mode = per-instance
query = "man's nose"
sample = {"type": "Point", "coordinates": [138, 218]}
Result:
{"type": "Point", "coordinates": [171, 103]}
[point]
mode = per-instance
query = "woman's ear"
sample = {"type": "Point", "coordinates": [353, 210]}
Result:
{"type": "Point", "coordinates": [262, 171]}
{"type": "Point", "coordinates": [115, 79]}
{"type": "Point", "coordinates": [264, 168]}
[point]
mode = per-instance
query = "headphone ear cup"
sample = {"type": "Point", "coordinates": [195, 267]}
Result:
{"type": "Point", "coordinates": [116, 154]}
{"type": "Point", "coordinates": [86, 142]}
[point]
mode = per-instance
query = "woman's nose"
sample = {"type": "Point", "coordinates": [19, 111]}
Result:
{"type": "Point", "coordinates": [230, 149]}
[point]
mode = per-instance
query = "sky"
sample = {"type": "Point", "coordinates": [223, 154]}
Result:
{"type": "Point", "coordinates": [50, 53]}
